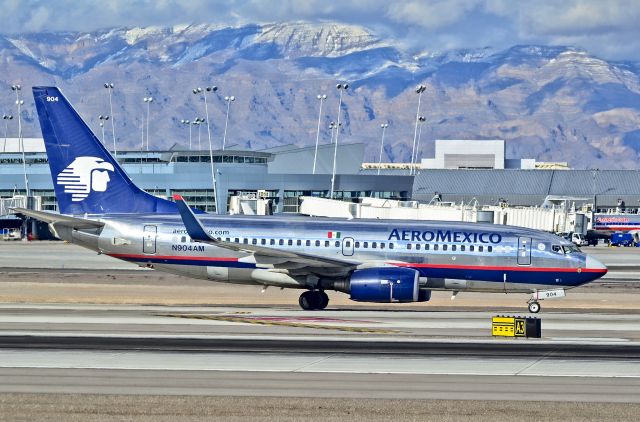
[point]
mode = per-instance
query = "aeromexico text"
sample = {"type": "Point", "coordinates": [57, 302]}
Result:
{"type": "Point", "coordinates": [444, 236]}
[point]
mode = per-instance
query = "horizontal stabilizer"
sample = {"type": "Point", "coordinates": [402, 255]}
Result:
{"type": "Point", "coordinates": [59, 219]}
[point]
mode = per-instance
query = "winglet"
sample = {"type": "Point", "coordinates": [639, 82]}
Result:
{"type": "Point", "coordinates": [194, 227]}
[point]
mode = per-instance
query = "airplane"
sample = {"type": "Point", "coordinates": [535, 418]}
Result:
{"type": "Point", "coordinates": [381, 261]}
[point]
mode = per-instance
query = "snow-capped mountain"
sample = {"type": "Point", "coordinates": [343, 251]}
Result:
{"type": "Point", "coordinates": [551, 103]}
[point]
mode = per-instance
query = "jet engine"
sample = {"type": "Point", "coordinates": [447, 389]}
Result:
{"type": "Point", "coordinates": [386, 284]}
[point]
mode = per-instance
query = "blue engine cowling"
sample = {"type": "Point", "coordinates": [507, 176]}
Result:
{"type": "Point", "coordinates": [387, 284]}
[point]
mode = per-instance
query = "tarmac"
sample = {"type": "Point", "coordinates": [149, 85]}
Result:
{"type": "Point", "coordinates": [73, 322]}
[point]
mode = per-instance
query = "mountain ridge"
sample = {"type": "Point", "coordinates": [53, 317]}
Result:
{"type": "Point", "coordinates": [552, 103]}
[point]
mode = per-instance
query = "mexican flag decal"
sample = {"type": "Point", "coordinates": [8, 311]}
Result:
{"type": "Point", "coordinates": [333, 235]}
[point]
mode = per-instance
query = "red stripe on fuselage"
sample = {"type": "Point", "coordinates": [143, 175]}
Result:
{"type": "Point", "coordinates": [498, 268]}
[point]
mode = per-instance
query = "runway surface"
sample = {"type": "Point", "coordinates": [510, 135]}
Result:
{"type": "Point", "coordinates": [287, 352]}
{"type": "Point", "coordinates": [89, 324]}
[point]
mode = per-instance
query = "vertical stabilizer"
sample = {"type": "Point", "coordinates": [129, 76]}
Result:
{"type": "Point", "coordinates": [86, 178]}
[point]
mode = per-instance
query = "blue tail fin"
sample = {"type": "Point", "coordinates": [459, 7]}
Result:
{"type": "Point", "coordinates": [86, 178]}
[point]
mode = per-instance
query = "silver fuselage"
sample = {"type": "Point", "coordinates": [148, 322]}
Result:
{"type": "Point", "coordinates": [448, 255]}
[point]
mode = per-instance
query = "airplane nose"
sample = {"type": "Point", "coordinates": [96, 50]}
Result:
{"type": "Point", "coordinates": [595, 265]}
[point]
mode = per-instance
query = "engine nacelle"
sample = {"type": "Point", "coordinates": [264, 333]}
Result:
{"type": "Point", "coordinates": [387, 284]}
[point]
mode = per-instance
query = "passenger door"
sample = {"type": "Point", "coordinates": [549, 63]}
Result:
{"type": "Point", "coordinates": [524, 251]}
{"type": "Point", "coordinates": [347, 246]}
{"type": "Point", "coordinates": [149, 239]}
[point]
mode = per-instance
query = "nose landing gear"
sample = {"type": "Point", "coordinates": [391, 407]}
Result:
{"type": "Point", "coordinates": [313, 299]}
{"type": "Point", "coordinates": [534, 307]}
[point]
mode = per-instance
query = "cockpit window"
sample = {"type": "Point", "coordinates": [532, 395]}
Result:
{"type": "Point", "coordinates": [556, 248]}
{"type": "Point", "coordinates": [570, 249]}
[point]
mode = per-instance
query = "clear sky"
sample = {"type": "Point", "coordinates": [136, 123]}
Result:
{"type": "Point", "coordinates": [607, 28]}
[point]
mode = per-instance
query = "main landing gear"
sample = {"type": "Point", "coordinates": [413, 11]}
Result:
{"type": "Point", "coordinates": [313, 299]}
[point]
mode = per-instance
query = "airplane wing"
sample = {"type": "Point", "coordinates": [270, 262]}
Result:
{"type": "Point", "coordinates": [59, 219]}
{"type": "Point", "coordinates": [197, 232]}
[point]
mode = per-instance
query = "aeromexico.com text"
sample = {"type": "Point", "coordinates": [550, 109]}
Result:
{"type": "Point", "coordinates": [444, 236]}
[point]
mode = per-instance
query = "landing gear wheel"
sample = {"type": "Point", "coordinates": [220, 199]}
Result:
{"type": "Point", "coordinates": [309, 300]}
{"type": "Point", "coordinates": [306, 301]}
{"type": "Point", "coordinates": [534, 307]}
{"type": "Point", "coordinates": [323, 300]}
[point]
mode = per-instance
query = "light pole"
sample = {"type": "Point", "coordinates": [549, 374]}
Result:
{"type": "Point", "coordinates": [188, 123]}
{"type": "Point", "coordinates": [419, 90]}
{"type": "Point", "coordinates": [6, 118]}
{"type": "Point", "coordinates": [109, 87]}
{"type": "Point", "coordinates": [332, 126]}
{"type": "Point", "coordinates": [198, 121]}
{"type": "Point", "coordinates": [320, 97]}
{"type": "Point", "coordinates": [148, 100]}
{"type": "Point", "coordinates": [384, 127]}
{"type": "Point", "coordinates": [229, 100]}
{"type": "Point", "coordinates": [141, 136]}
{"type": "Point", "coordinates": [19, 103]}
{"type": "Point", "coordinates": [341, 88]}
{"type": "Point", "coordinates": [206, 110]}
{"type": "Point", "coordinates": [103, 120]}
{"type": "Point", "coordinates": [421, 119]}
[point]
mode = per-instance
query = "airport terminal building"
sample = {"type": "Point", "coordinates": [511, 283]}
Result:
{"type": "Point", "coordinates": [283, 174]}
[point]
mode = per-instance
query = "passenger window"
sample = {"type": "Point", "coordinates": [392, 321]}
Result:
{"type": "Point", "coordinates": [272, 242]}
{"type": "Point", "coordinates": [365, 245]}
{"type": "Point", "coordinates": [435, 247]}
{"type": "Point", "coordinates": [357, 244]}
{"type": "Point", "coordinates": [381, 245]}
{"type": "Point", "coordinates": [299, 242]}
{"type": "Point", "coordinates": [445, 247]}
{"type": "Point", "coordinates": [453, 247]}
{"type": "Point", "coordinates": [408, 245]}
{"type": "Point", "coordinates": [254, 241]}
{"type": "Point", "coordinates": [290, 242]}
{"type": "Point", "coordinates": [417, 247]}
{"type": "Point", "coordinates": [263, 241]}
{"type": "Point", "coordinates": [184, 239]}
{"type": "Point", "coordinates": [317, 243]}
{"type": "Point", "coordinates": [337, 243]}
{"type": "Point", "coordinates": [327, 243]}
{"type": "Point", "coordinates": [426, 247]}
{"type": "Point", "coordinates": [237, 240]}
{"type": "Point", "coordinates": [227, 240]}
{"type": "Point", "coordinates": [281, 242]}
{"type": "Point", "coordinates": [480, 248]}
{"type": "Point", "coordinates": [462, 248]}
{"type": "Point", "coordinates": [308, 243]}
{"type": "Point", "coordinates": [374, 245]}
{"type": "Point", "coordinates": [392, 245]}
{"type": "Point", "coordinates": [471, 248]}
{"type": "Point", "coordinates": [245, 240]}
{"type": "Point", "coordinates": [489, 248]}
{"type": "Point", "coordinates": [348, 243]}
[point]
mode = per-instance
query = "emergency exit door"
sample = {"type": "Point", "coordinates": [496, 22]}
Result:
{"type": "Point", "coordinates": [524, 251]}
{"type": "Point", "coordinates": [347, 246]}
{"type": "Point", "coordinates": [149, 239]}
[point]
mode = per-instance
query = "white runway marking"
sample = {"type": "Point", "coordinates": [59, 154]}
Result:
{"type": "Point", "coordinates": [321, 362]}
